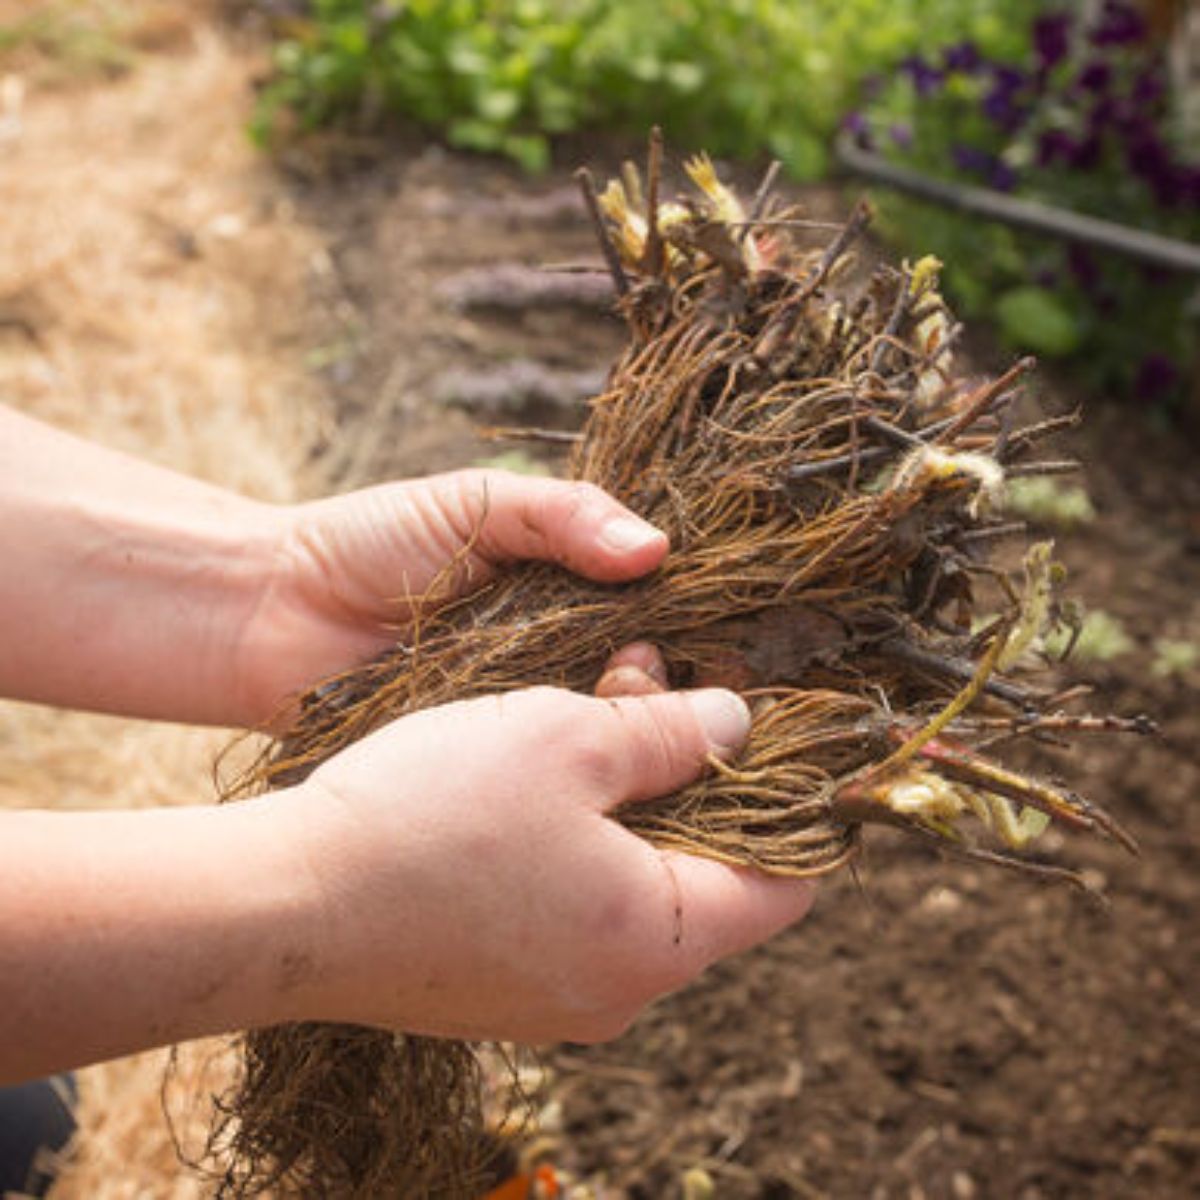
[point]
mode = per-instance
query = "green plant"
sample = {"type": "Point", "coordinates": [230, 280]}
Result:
{"type": "Point", "coordinates": [1100, 639]}
{"type": "Point", "coordinates": [1047, 501]}
{"type": "Point", "coordinates": [77, 40]}
{"type": "Point", "coordinates": [519, 461]}
{"type": "Point", "coordinates": [738, 77]}
{"type": "Point", "coordinates": [1175, 657]}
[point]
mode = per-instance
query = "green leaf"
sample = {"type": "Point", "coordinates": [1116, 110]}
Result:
{"type": "Point", "coordinates": [464, 58]}
{"type": "Point", "coordinates": [473, 134]}
{"type": "Point", "coordinates": [684, 76]}
{"type": "Point", "coordinates": [519, 461]}
{"type": "Point", "coordinates": [499, 105]}
{"type": "Point", "coordinates": [1036, 319]}
{"type": "Point", "coordinates": [531, 151]}
{"type": "Point", "coordinates": [801, 151]}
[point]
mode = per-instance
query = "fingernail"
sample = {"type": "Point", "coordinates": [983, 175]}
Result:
{"type": "Point", "coordinates": [724, 718]}
{"type": "Point", "coordinates": [625, 534]}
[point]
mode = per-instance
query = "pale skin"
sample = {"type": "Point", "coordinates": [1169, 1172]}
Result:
{"type": "Point", "coordinates": [454, 874]}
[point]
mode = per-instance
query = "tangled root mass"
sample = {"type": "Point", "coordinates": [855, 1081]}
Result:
{"type": "Point", "coordinates": [832, 491]}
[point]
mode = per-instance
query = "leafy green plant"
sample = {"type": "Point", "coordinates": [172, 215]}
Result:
{"type": "Point", "coordinates": [1048, 501]}
{"type": "Point", "coordinates": [739, 77]}
{"type": "Point", "coordinates": [1101, 638]}
{"type": "Point", "coordinates": [1175, 657]}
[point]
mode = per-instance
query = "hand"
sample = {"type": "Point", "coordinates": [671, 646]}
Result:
{"type": "Point", "coordinates": [473, 885]}
{"type": "Point", "coordinates": [637, 669]}
{"type": "Point", "coordinates": [350, 572]}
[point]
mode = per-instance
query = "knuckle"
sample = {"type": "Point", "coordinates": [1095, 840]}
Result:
{"type": "Point", "coordinates": [590, 737]}
{"type": "Point", "coordinates": [581, 495]}
{"type": "Point", "coordinates": [595, 755]}
{"type": "Point", "coordinates": [577, 732]}
{"type": "Point", "coordinates": [570, 502]}
{"type": "Point", "coordinates": [471, 484]}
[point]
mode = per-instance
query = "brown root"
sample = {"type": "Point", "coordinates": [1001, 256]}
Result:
{"type": "Point", "coordinates": [328, 1110]}
{"type": "Point", "coordinates": [829, 490]}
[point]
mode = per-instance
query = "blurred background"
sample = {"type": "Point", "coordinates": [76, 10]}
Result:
{"type": "Point", "coordinates": [295, 247]}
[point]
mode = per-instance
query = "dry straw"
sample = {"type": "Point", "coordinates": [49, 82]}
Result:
{"type": "Point", "coordinates": [147, 302]}
{"type": "Point", "coordinates": [831, 492]}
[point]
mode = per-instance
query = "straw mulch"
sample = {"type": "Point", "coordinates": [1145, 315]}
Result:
{"type": "Point", "coordinates": [831, 490]}
{"type": "Point", "coordinates": [152, 294]}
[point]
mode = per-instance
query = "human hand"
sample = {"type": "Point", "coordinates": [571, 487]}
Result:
{"type": "Point", "coordinates": [637, 669]}
{"type": "Point", "coordinates": [472, 883]}
{"type": "Point", "coordinates": [349, 573]}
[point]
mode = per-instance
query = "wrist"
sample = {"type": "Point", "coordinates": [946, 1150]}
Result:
{"type": "Point", "coordinates": [341, 947]}
{"type": "Point", "coordinates": [181, 589]}
{"type": "Point", "coordinates": [126, 584]}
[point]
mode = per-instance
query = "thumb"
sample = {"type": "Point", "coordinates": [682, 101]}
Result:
{"type": "Point", "coordinates": [575, 524]}
{"type": "Point", "coordinates": [725, 910]}
{"type": "Point", "coordinates": [720, 909]}
{"type": "Point", "coordinates": [658, 743]}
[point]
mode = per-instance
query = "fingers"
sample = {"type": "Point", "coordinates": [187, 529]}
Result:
{"type": "Point", "coordinates": [647, 746]}
{"type": "Point", "coordinates": [665, 741]}
{"type": "Point", "coordinates": [635, 670]}
{"type": "Point", "coordinates": [575, 524]}
{"type": "Point", "coordinates": [724, 910]}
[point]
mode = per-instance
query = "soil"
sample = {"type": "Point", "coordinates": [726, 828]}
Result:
{"type": "Point", "coordinates": [935, 1028]}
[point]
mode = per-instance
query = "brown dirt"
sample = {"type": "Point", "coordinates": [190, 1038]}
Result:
{"type": "Point", "coordinates": [947, 1031]}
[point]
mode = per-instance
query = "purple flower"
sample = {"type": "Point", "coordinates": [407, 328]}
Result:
{"type": "Point", "coordinates": [1170, 188]}
{"type": "Point", "coordinates": [972, 159]}
{"type": "Point", "coordinates": [1051, 39]}
{"type": "Point", "coordinates": [1105, 114]}
{"type": "Point", "coordinates": [1082, 265]}
{"type": "Point", "coordinates": [855, 124]}
{"type": "Point", "coordinates": [1190, 187]}
{"type": "Point", "coordinates": [1149, 160]}
{"type": "Point", "coordinates": [1095, 76]}
{"type": "Point", "coordinates": [1119, 25]}
{"type": "Point", "coordinates": [901, 134]}
{"type": "Point", "coordinates": [1087, 153]}
{"type": "Point", "coordinates": [926, 79]}
{"type": "Point", "coordinates": [1147, 88]}
{"type": "Point", "coordinates": [1007, 78]}
{"type": "Point", "coordinates": [1046, 277]}
{"type": "Point", "coordinates": [998, 106]}
{"type": "Point", "coordinates": [1156, 376]}
{"type": "Point", "coordinates": [1056, 145]}
{"type": "Point", "coordinates": [1002, 177]}
{"type": "Point", "coordinates": [963, 56]}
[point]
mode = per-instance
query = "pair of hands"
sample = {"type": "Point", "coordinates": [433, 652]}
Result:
{"type": "Point", "coordinates": [471, 881]}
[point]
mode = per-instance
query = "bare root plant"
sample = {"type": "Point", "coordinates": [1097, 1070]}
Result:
{"type": "Point", "coordinates": [832, 491]}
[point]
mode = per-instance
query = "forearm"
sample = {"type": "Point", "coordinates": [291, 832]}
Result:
{"type": "Point", "coordinates": [124, 587]}
{"type": "Point", "coordinates": [125, 930]}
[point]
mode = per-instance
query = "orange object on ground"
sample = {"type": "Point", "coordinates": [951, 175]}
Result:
{"type": "Point", "coordinates": [538, 1184]}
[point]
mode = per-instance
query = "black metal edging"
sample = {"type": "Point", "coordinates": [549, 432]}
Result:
{"type": "Point", "coordinates": [1151, 248]}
